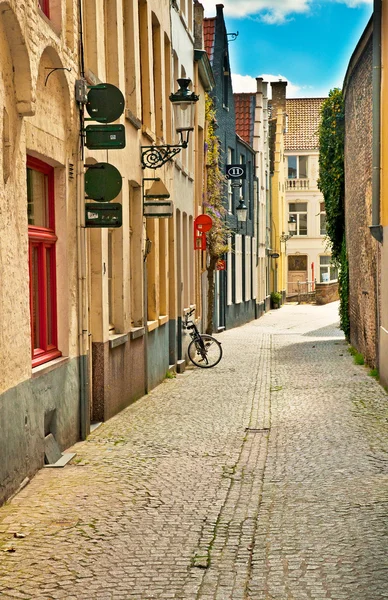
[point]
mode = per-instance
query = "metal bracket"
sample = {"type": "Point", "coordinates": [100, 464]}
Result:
{"type": "Point", "coordinates": [154, 157]}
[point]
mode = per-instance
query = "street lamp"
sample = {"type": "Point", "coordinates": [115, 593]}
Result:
{"type": "Point", "coordinates": [183, 103]}
{"type": "Point", "coordinates": [291, 230]}
{"type": "Point", "coordinates": [241, 211]}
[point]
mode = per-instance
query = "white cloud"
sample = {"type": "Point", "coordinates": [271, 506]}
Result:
{"type": "Point", "coordinates": [270, 11]}
{"type": "Point", "coordinates": [246, 83]}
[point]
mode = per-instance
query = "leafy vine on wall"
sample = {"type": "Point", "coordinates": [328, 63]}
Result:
{"type": "Point", "coordinates": [332, 185]}
{"type": "Point", "coordinates": [214, 206]}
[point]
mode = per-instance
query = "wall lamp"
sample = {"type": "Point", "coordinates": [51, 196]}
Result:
{"type": "Point", "coordinates": [291, 230]}
{"type": "Point", "coordinates": [241, 214]}
{"type": "Point", "coordinates": [183, 103]}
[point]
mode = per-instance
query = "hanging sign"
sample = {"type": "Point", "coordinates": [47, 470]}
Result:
{"type": "Point", "coordinates": [103, 215]}
{"type": "Point", "coordinates": [103, 182]}
{"type": "Point", "coordinates": [105, 137]}
{"type": "Point", "coordinates": [105, 103]}
{"type": "Point", "coordinates": [236, 171]}
{"type": "Point", "coordinates": [203, 223]}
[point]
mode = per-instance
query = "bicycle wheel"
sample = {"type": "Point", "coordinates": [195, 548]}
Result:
{"type": "Point", "coordinates": [205, 355]}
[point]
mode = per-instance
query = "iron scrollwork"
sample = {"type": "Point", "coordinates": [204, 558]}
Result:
{"type": "Point", "coordinates": [154, 157]}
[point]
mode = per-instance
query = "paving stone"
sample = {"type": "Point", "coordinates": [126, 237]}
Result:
{"type": "Point", "coordinates": [264, 478]}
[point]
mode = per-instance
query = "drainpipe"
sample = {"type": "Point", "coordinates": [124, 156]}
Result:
{"type": "Point", "coordinates": [83, 329]}
{"type": "Point", "coordinates": [376, 227]}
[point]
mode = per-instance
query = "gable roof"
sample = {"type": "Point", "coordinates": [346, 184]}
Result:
{"type": "Point", "coordinates": [303, 123]}
{"type": "Point", "coordinates": [244, 106]}
{"type": "Point", "coordinates": [209, 29]}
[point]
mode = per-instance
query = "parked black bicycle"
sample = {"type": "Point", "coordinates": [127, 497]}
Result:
{"type": "Point", "coordinates": [204, 350]}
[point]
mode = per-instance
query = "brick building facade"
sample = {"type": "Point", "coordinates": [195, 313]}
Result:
{"type": "Point", "coordinates": [363, 249]}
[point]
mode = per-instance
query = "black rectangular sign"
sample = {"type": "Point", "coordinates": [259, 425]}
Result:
{"type": "Point", "coordinates": [236, 171]}
{"type": "Point", "coordinates": [103, 214]}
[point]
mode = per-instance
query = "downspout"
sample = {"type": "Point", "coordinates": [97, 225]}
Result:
{"type": "Point", "coordinates": [376, 227]}
{"type": "Point", "coordinates": [83, 329]}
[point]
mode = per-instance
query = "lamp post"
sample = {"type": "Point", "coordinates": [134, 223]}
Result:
{"type": "Point", "coordinates": [183, 102]}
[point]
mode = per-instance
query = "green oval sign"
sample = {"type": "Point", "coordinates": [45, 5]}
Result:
{"type": "Point", "coordinates": [103, 182]}
{"type": "Point", "coordinates": [105, 103]}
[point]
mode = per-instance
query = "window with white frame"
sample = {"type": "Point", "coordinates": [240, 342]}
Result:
{"type": "Point", "coordinates": [322, 219]}
{"type": "Point", "coordinates": [298, 211]}
{"type": "Point", "coordinates": [297, 167]}
{"type": "Point", "coordinates": [327, 270]}
{"type": "Point", "coordinates": [238, 269]}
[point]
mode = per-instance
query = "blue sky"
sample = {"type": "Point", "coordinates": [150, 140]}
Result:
{"type": "Point", "coordinates": [306, 42]}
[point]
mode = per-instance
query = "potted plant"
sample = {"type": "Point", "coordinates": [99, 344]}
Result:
{"type": "Point", "coordinates": [276, 298]}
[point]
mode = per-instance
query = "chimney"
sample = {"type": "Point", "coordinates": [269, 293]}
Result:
{"type": "Point", "coordinates": [278, 96]}
{"type": "Point", "coordinates": [198, 25]}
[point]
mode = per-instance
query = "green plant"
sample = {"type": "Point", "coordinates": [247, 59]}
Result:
{"type": "Point", "coordinates": [276, 297]}
{"type": "Point", "coordinates": [332, 185]}
{"type": "Point", "coordinates": [352, 350]}
{"type": "Point", "coordinates": [170, 375]}
{"type": "Point", "coordinates": [358, 359]}
{"type": "Point", "coordinates": [215, 182]}
{"type": "Point", "coordinates": [374, 373]}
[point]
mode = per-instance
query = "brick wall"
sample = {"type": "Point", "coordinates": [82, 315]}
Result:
{"type": "Point", "coordinates": [326, 292]}
{"type": "Point", "coordinates": [363, 250]}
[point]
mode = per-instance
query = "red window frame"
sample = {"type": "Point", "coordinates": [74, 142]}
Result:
{"type": "Point", "coordinates": [41, 242]}
{"type": "Point", "coordinates": [45, 7]}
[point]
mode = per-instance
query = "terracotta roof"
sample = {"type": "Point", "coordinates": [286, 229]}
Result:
{"type": "Point", "coordinates": [303, 123]}
{"type": "Point", "coordinates": [244, 106]}
{"type": "Point", "coordinates": [209, 28]}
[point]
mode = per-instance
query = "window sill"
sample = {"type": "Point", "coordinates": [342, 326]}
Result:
{"type": "Point", "coordinates": [49, 366]}
{"type": "Point", "coordinates": [137, 332]}
{"type": "Point", "coordinates": [132, 119]}
{"type": "Point", "coordinates": [151, 325]}
{"type": "Point", "coordinates": [117, 339]}
{"type": "Point", "coordinates": [163, 319]}
{"type": "Point", "coordinates": [148, 134]}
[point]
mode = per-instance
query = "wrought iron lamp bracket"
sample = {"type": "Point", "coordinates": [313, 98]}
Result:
{"type": "Point", "coordinates": [154, 157]}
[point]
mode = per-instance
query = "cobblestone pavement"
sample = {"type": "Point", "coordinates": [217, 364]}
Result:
{"type": "Point", "coordinates": [263, 478]}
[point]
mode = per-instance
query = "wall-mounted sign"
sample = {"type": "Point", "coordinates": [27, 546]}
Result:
{"type": "Point", "coordinates": [158, 209]}
{"type": "Point", "coordinates": [105, 103]}
{"type": "Point", "coordinates": [236, 171]}
{"type": "Point", "coordinates": [103, 215]}
{"type": "Point", "coordinates": [203, 223]}
{"type": "Point", "coordinates": [103, 182]}
{"type": "Point", "coordinates": [105, 137]}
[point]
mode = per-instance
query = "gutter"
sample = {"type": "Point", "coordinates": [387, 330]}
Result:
{"type": "Point", "coordinates": [205, 70]}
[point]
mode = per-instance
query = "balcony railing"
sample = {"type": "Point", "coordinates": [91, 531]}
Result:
{"type": "Point", "coordinates": [297, 184]}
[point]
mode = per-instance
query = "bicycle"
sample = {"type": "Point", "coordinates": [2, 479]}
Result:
{"type": "Point", "coordinates": [204, 350]}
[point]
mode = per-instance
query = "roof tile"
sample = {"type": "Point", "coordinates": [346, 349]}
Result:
{"type": "Point", "coordinates": [303, 123]}
{"type": "Point", "coordinates": [244, 105]}
{"type": "Point", "coordinates": [209, 28]}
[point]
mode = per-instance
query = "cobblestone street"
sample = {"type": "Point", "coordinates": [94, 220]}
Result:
{"type": "Point", "coordinates": [265, 478]}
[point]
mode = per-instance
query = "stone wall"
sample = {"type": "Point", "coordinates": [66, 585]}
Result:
{"type": "Point", "coordinates": [363, 250]}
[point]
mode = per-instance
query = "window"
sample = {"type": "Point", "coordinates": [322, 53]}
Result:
{"type": "Point", "coordinates": [45, 7]}
{"type": "Point", "coordinates": [327, 271]}
{"type": "Point", "coordinates": [297, 167]}
{"type": "Point", "coordinates": [298, 210]}
{"type": "Point", "coordinates": [42, 264]}
{"type": "Point", "coordinates": [322, 219]}
{"type": "Point", "coordinates": [230, 189]}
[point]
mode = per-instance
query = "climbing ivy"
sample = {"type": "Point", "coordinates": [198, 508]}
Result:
{"type": "Point", "coordinates": [332, 185]}
{"type": "Point", "coordinates": [213, 202]}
